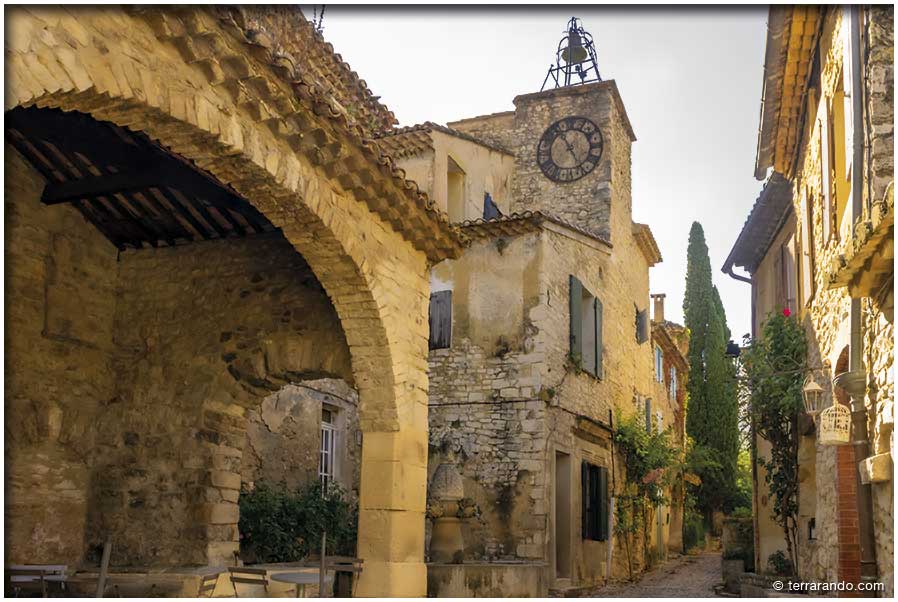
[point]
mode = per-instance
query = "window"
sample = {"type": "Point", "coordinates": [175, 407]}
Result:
{"type": "Point", "coordinates": [594, 501]}
{"type": "Point", "coordinates": [807, 248]}
{"type": "Point", "coordinates": [455, 190]}
{"type": "Point", "coordinates": [440, 320]}
{"type": "Point", "coordinates": [642, 326]}
{"type": "Point", "coordinates": [840, 159]}
{"type": "Point", "coordinates": [328, 447]}
{"type": "Point", "coordinates": [585, 328]}
{"type": "Point", "coordinates": [672, 385]}
{"type": "Point", "coordinates": [788, 274]}
{"type": "Point", "coordinates": [659, 364]}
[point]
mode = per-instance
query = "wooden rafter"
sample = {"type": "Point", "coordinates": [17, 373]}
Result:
{"type": "Point", "coordinates": [134, 191]}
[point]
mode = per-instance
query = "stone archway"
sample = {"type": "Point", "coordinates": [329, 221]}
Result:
{"type": "Point", "coordinates": [201, 86]}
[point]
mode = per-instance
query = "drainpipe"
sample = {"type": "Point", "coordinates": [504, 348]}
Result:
{"type": "Point", "coordinates": [855, 380]}
{"type": "Point", "coordinates": [756, 528]}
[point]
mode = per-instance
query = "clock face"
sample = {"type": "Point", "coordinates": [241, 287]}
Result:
{"type": "Point", "coordinates": [569, 149]}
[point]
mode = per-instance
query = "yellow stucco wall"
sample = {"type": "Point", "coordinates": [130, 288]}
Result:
{"type": "Point", "coordinates": [486, 170]}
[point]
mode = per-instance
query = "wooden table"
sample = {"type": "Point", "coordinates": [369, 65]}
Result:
{"type": "Point", "coordinates": [301, 579]}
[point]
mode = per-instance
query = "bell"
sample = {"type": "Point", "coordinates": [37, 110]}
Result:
{"type": "Point", "coordinates": [575, 52]}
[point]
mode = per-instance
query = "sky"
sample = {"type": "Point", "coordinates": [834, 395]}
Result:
{"type": "Point", "coordinates": [690, 80]}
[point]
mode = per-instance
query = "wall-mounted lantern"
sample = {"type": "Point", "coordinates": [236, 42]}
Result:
{"type": "Point", "coordinates": [813, 397]}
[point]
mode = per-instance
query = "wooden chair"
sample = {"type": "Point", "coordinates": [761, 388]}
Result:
{"type": "Point", "coordinates": [345, 568]}
{"type": "Point", "coordinates": [249, 576]}
{"type": "Point", "coordinates": [33, 578]}
{"type": "Point", "coordinates": [207, 585]}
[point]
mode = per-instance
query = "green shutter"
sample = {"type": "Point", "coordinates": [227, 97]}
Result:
{"type": "Point", "coordinates": [599, 310]}
{"type": "Point", "coordinates": [603, 504]}
{"type": "Point", "coordinates": [575, 302]}
{"type": "Point", "coordinates": [584, 500]}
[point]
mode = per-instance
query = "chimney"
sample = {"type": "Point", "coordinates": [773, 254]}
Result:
{"type": "Point", "coordinates": [658, 298]}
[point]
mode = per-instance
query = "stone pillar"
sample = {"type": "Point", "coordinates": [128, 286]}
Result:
{"type": "Point", "coordinates": [391, 512]}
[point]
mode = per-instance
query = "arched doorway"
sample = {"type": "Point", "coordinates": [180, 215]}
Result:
{"type": "Point", "coordinates": [201, 87]}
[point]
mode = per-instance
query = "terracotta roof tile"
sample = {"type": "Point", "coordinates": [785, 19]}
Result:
{"type": "Point", "coordinates": [519, 223]}
{"type": "Point", "coordinates": [415, 139]}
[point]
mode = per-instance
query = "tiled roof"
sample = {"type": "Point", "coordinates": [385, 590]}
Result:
{"type": "Point", "coordinates": [519, 223]}
{"type": "Point", "coordinates": [326, 87]}
{"type": "Point", "coordinates": [415, 139]}
{"type": "Point", "coordinates": [762, 224]}
{"type": "Point", "coordinates": [647, 243]}
{"type": "Point", "coordinates": [301, 44]}
{"type": "Point", "coordinates": [791, 35]}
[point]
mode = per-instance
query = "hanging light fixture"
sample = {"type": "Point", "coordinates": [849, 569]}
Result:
{"type": "Point", "coordinates": [813, 396]}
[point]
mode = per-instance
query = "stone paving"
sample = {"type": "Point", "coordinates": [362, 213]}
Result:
{"type": "Point", "coordinates": [692, 576]}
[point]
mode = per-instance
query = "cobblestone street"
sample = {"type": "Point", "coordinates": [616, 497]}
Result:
{"type": "Point", "coordinates": [684, 577]}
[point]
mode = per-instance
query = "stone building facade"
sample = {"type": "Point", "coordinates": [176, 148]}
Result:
{"type": "Point", "coordinates": [534, 339]}
{"type": "Point", "coordinates": [136, 345]}
{"type": "Point", "coordinates": [820, 242]}
{"type": "Point", "coordinates": [670, 347]}
{"type": "Point", "coordinates": [306, 432]}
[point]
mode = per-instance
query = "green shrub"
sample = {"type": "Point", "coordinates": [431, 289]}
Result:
{"type": "Point", "coordinates": [779, 565]}
{"type": "Point", "coordinates": [734, 554]}
{"type": "Point", "coordinates": [279, 525]}
{"type": "Point", "coordinates": [741, 512]}
{"type": "Point", "coordinates": [693, 531]}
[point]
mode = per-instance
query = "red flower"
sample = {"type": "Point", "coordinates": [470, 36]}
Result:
{"type": "Point", "coordinates": [787, 312]}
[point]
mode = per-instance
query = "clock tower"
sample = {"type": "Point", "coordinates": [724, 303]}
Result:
{"type": "Point", "coordinates": [572, 156]}
{"type": "Point", "coordinates": [571, 143]}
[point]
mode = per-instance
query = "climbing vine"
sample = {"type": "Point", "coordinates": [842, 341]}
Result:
{"type": "Point", "coordinates": [652, 462]}
{"type": "Point", "coordinates": [774, 366]}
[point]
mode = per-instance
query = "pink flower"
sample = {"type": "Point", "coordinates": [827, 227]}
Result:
{"type": "Point", "coordinates": [787, 312]}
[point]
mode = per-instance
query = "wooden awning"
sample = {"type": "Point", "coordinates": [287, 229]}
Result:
{"type": "Point", "coordinates": [135, 192]}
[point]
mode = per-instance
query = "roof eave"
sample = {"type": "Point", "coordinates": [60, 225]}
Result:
{"type": "Point", "coordinates": [774, 67]}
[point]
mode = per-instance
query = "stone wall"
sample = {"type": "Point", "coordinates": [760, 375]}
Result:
{"type": "Point", "coordinates": [496, 129]}
{"type": "Point", "coordinates": [486, 413]}
{"type": "Point", "coordinates": [60, 280]}
{"type": "Point", "coordinates": [204, 331]}
{"type": "Point", "coordinates": [129, 374]}
{"type": "Point", "coordinates": [283, 436]}
{"type": "Point", "coordinates": [880, 83]}
{"type": "Point", "coordinates": [501, 411]}
{"type": "Point", "coordinates": [826, 314]}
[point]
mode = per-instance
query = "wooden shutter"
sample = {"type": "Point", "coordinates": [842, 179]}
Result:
{"type": "Point", "coordinates": [440, 320]}
{"type": "Point", "coordinates": [642, 326]}
{"type": "Point", "coordinates": [575, 303]}
{"type": "Point", "coordinates": [603, 503]}
{"type": "Point", "coordinates": [593, 494]}
{"type": "Point", "coordinates": [826, 170]}
{"type": "Point", "coordinates": [807, 247]}
{"type": "Point", "coordinates": [648, 415]}
{"type": "Point", "coordinates": [597, 307]}
{"type": "Point", "coordinates": [584, 500]}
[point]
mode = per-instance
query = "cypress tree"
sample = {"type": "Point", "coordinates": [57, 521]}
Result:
{"type": "Point", "coordinates": [712, 412]}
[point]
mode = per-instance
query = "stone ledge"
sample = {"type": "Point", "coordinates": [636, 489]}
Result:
{"type": "Point", "coordinates": [876, 469]}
